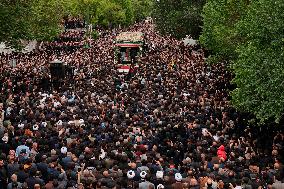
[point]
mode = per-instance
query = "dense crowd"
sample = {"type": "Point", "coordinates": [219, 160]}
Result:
{"type": "Point", "coordinates": [73, 22]}
{"type": "Point", "coordinates": [69, 41]}
{"type": "Point", "coordinates": [71, 35]}
{"type": "Point", "coordinates": [170, 126]}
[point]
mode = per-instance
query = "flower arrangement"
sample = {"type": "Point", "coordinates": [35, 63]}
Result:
{"type": "Point", "coordinates": [130, 36]}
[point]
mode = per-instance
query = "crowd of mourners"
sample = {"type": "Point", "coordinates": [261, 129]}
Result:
{"type": "Point", "coordinates": [70, 40]}
{"type": "Point", "coordinates": [168, 126]}
{"type": "Point", "coordinates": [73, 22]}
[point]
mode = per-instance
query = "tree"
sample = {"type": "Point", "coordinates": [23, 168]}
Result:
{"type": "Point", "coordinates": [259, 68]}
{"type": "Point", "coordinates": [111, 14]}
{"type": "Point", "coordinates": [219, 34]}
{"type": "Point", "coordinates": [128, 10]}
{"type": "Point", "coordinates": [106, 12]}
{"type": "Point", "coordinates": [29, 19]}
{"type": "Point", "coordinates": [40, 19]}
{"type": "Point", "coordinates": [178, 18]}
{"type": "Point", "coordinates": [44, 19]}
{"type": "Point", "coordinates": [13, 26]}
{"type": "Point", "coordinates": [142, 9]}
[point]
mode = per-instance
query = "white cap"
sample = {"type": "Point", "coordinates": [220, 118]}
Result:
{"type": "Point", "coordinates": [35, 127]}
{"type": "Point", "coordinates": [100, 101]}
{"type": "Point", "coordinates": [63, 150]}
{"type": "Point", "coordinates": [70, 122]}
{"type": "Point", "coordinates": [103, 154]}
{"type": "Point", "coordinates": [21, 111]}
{"type": "Point", "coordinates": [130, 174]}
{"type": "Point", "coordinates": [5, 138]}
{"type": "Point", "coordinates": [143, 174]}
{"type": "Point", "coordinates": [160, 186]}
{"type": "Point", "coordinates": [59, 122]}
{"type": "Point", "coordinates": [178, 177]}
{"type": "Point", "coordinates": [81, 123]}
{"type": "Point", "coordinates": [159, 174]}
{"type": "Point", "coordinates": [44, 124]}
{"type": "Point", "coordinates": [21, 125]}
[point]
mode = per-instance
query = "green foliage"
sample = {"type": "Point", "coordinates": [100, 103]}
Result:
{"type": "Point", "coordinates": [249, 35]}
{"type": "Point", "coordinates": [142, 9]}
{"type": "Point", "coordinates": [40, 19]}
{"type": "Point", "coordinates": [29, 19]}
{"type": "Point", "coordinates": [259, 69]}
{"type": "Point", "coordinates": [13, 25]}
{"type": "Point", "coordinates": [89, 9]}
{"type": "Point", "coordinates": [127, 7]}
{"type": "Point", "coordinates": [95, 34]}
{"type": "Point", "coordinates": [111, 14]}
{"type": "Point", "coordinates": [219, 32]}
{"type": "Point", "coordinates": [179, 18]}
{"type": "Point", "coordinates": [72, 7]}
{"type": "Point", "coordinates": [44, 19]}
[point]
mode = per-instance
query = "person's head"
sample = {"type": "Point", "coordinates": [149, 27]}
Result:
{"type": "Point", "coordinates": [37, 186]}
{"type": "Point", "coordinates": [221, 184]}
{"type": "Point", "coordinates": [216, 167]}
{"type": "Point", "coordinates": [209, 182]}
{"type": "Point", "coordinates": [80, 186]}
{"type": "Point", "coordinates": [14, 178]}
{"type": "Point", "coordinates": [231, 174]}
{"type": "Point", "coordinates": [106, 173]}
{"type": "Point", "coordinates": [193, 182]}
{"type": "Point", "coordinates": [1, 162]}
{"type": "Point", "coordinates": [35, 145]}
{"type": "Point", "coordinates": [276, 166]}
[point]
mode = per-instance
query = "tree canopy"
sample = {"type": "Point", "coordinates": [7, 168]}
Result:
{"type": "Point", "coordinates": [249, 36]}
{"type": "Point", "coordinates": [219, 31]}
{"type": "Point", "coordinates": [30, 19]}
{"type": "Point", "coordinates": [142, 9]}
{"type": "Point", "coordinates": [259, 68]}
{"type": "Point", "coordinates": [40, 19]}
{"type": "Point", "coordinates": [178, 18]}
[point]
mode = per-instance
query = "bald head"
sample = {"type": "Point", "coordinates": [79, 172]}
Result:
{"type": "Point", "coordinates": [133, 165]}
{"type": "Point", "coordinates": [193, 182]}
{"type": "Point", "coordinates": [276, 165]}
{"type": "Point", "coordinates": [105, 173]}
{"type": "Point", "coordinates": [216, 166]}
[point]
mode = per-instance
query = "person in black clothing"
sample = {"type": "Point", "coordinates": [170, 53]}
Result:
{"type": "Point", "coordinates": [3, 175]}
{"type": "Point", "coordinates": [22, 175]}
{"type": "Point", "coordinates": [32, 180]}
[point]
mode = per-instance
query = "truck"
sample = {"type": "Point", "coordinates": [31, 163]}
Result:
{"type": "Point", "coordinates": [128, 51]}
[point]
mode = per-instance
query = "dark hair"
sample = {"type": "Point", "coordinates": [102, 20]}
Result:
{"type": "Point", "coordinates": [14, 184]}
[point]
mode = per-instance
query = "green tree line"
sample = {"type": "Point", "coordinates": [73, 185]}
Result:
{"type": "Point", "coordinates": [178, 18]}
{"type": "Point", "coordinates": [40, 19]}
{"type": "Point", "coordinates": [246, 34]}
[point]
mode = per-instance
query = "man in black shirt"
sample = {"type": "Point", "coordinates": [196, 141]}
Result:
{"type": "Point", "coordinates": [3, 175]}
